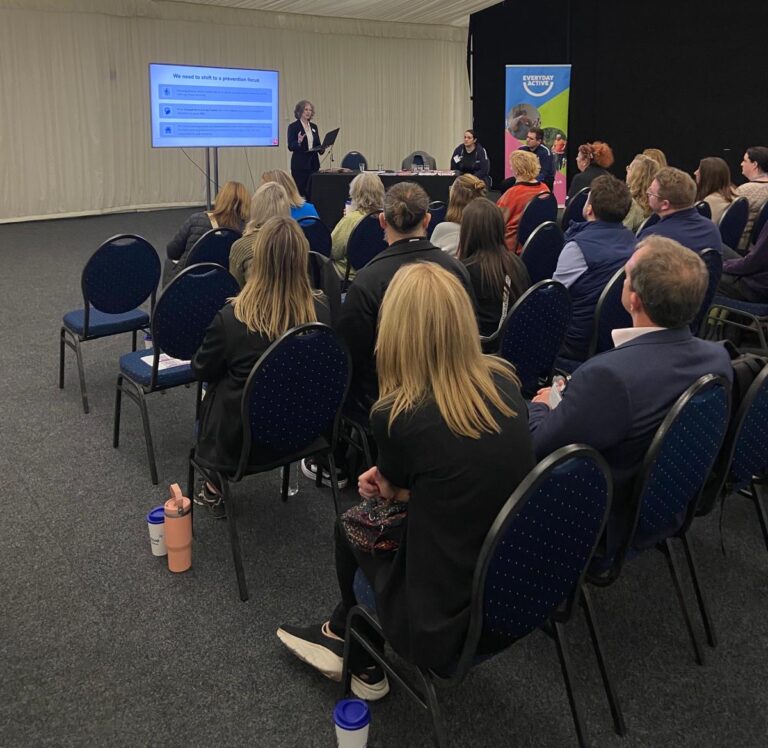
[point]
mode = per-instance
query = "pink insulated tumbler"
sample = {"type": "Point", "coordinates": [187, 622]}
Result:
{"type": "Point", "coordinates": [178, 530]}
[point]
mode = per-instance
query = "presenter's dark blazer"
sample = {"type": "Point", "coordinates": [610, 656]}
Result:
{"type": "Point", "coordinates": [616, 400]}
{"type": "Point", "coordinates": [303, 163]}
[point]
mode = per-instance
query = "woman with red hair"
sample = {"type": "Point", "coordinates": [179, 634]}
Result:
{"type": "Point", "coordinates": [593, 160]}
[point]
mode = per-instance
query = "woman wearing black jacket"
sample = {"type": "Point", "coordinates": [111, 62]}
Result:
{"type": "Point", "coordinates": [302, 136]}
{"type": "Point", "coordinates": [470, 158]}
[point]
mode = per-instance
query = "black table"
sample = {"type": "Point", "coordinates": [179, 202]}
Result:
{"type": "Point", "coordinates": [328, 191]}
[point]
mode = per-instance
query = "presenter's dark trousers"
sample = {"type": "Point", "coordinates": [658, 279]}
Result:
{"type": "Point", "coordinates": [301, 177]}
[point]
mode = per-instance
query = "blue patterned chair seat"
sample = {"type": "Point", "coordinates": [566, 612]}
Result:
{"type": "Point", "coordinates": [139, 371]}
{"type": "Point", "coordinates": [758, 310]}
{"type": "Point", "coordinates": [101, 324]}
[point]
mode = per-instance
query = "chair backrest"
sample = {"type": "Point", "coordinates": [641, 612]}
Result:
{"type": "Point", "coordinates": [732, 222]}
{"type": "Point", "coordinates": [318, 235]}
{"type": "Point", "coordinates": [610, 315]}
{"type": "Point", "coordinates": [120, 275]}
{"type": "Point", "coordinates": [532, 563]}
{"type": "Point", "coordinates": [760, 221]}
{"type": "Point", "coordinates": [294, 392]}
{"type": "Point", "coordinates": [652, 220]}
{"type": "Point", "coordinates": [542, 250]}
{"type": "Point", "coordinates": [704, 208]}
{"type": "Point", "coordinates": [353, 160]}
{"type": "Point", "coordinates": [323, 277]}
{"type": "Point", "coordinates": [365, 242]}
{"type": "Point", "coordinates": [534, 330]}
{"type": "Point", "coordinates": [678, 462]}
{"type": "Point", "coordinates": [437, 211]}
{"type": "Point", "coordinates": [540, 209]}
{"type": "Point", "coordinates": [213, 246]}
{"type": "Point", "coordinates": [714, 262]}
{"type": "Point", "coordinates": [186, 308]}
{"type": "Point", "coordinates": [574, 211]}
{"type": "Point", "coordinates": [419, 158]}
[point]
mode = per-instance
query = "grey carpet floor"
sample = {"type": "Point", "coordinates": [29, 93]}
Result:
{"type": "Point", "coordinates": [101, 645]}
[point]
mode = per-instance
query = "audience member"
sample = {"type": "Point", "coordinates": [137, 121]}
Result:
{"type": "Point", "coordinates": [470, 158]}
{"type": "Point", "coordinates": [615, 401]}
{"type": "Point", "coordinates": [230, 211]}
{"type": "Point", "coordinates": [593, 252]}
{"type": "Point", "coordinates": [593, 160]}
{"type": "Point", "coordinates": [657, 155]}
{"type": "Point", "coordinates": [525, 168]}
{"type": "Point", "coordinates": [300, 208]}
{"type": "Point", "coordinates": [269, 200]}
{"type": "Point", "coordinates": [404, 220]}
{"type": "Point", "coordinates": [754, 167]}
{"type": "Point", "coordinates": [452, 442]}
{"type": "Point", "coordinates": [499, 278]}
{"type": "Point", "coordinates": [558, 149]}
{"type": "Point", "coordinates": [276, 297]}
{"type": "Point", "coordinates": [671, 196]}
{"type": "Point", "coordinates": [534, 143]}
{"type": "Point", "coordinates": [714, 187]}
{"type": "Point", "coordinates": [463, 191]}
{"type": "Point", "coordinates": [746, 278]}
{"type": "Point", "coordinates": [640, 174]}
{"type": "Point", "coordinates": [366, 194]}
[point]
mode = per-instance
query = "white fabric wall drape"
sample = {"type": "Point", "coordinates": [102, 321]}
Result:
{"type": "Point", "coordinates": [74, 130]}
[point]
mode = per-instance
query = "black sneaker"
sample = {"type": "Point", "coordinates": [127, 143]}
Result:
{"type": "Point", "coordinates": [310, 468]}
{"type": "Point", "coordinates": [212, 501]}
{"type": "Point", "coordinates": [324, 651]}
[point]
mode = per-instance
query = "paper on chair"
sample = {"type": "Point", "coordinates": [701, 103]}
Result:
{"type": "Point", "coordinates": [164, 362]}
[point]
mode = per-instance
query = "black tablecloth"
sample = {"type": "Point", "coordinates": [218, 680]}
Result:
{"type": "Point", "coordinates": [329, 192]}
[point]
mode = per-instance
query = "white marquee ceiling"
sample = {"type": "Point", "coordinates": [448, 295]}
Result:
{"type": "Point", "coordinates": [444, 12]}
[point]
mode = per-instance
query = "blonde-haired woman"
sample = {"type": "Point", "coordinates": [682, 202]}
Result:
{"type": "Point", "coordinates": [464, 190]}
{"type": "Point", "coordinates": [453, 441]}
{"type": "Point", "coordinates": [525, 167]}
{"type": "Point", "coordinates": [366, 193]}
{"type": "Point", "coordinates": [230, 211]}
{"type": "Point", "coordinates": [640, 173]}
{"type": "Point", "coordinates": [268, 201]}
{"type": "Point", "coordinates": [276, 297]}
{"type": "Point", "coordinates": [300, 208]}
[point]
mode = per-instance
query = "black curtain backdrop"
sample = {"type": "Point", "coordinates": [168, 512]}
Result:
{"type": "Point", "coordinates": [689, 77]}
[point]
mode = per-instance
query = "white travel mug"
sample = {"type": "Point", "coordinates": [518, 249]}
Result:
{"type": "Point", "coordinates": [156, 524]}
{"type": "Point", "coordinates": [352, 718]}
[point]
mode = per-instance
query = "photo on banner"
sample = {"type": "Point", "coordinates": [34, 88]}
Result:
{"type": "Point", "coordinates": [537, 96]}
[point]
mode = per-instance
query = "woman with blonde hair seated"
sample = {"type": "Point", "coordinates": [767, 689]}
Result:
{"type": "Point", "coordinates": [452, 434]}
{"type": "Point", "coordinates": [268, 201]}
{"type": "Point", "coordinates": [657, 155]}
{"type": "Point", "coordinates": [300, 208]}
{"type": "Point", "coordinates": [366, 192]}
{"type": "Point", "coordinates": [464, 190]}
{"type": "Point", "coordinates": [640, 173]}
{"type": "Point", "coordinates": [525, 167]}
{"type": "Point", "coordinates": [276, 297]}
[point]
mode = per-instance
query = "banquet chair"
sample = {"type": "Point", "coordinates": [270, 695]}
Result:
{"type": "Point", "coordinates": [437, 211]}
{"type": "Point", "coordinates": [553, 520]}
{"type": "Point", "coordinates": [323, 277]}
{"type": "Point", "coordinates": [419, 158]}
{"type": "Point", "coordinates": [213, 246]}
{"type": "Point", "coordinates": [318, 235]}
{"type": "Point", "coordinates": [118, 278]}
{"type": "Point", "coordinates": [704, 209]}
{"type": "Point", "coordinates": [542, 250]}
{"type": "Point", "coordinates": [365, 242]}
{"type": "Point", "coordinates": [183, 312]}
{"type": "Point", "coordinates": [713, 259]}
{"type": "Point", "coordinates": [726, 312]}
{"type": "Point", "coordinates": [732, 222]}
{"type": "Point", "coordinates": [353, 161]}
{"type": "Point", "coordinates": [290, 409]}
{"type": "Point", "coordinates": [574, 210]}
{"type": "Point", "coordinates": [539, 209]}
{"type": "Point", "coordinates": [652, 220]}
{"type": "Point", "coordinates": [760, 221]}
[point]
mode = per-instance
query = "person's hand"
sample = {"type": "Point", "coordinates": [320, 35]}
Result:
{"type": "Point", "coordinates": [368, 484]}
{"type": "Point", "coordinates": [542, 396]}
{"type": "Point", "coordinates": [302, 136]}
{"type": "Point", "coordinates": [322, 151]}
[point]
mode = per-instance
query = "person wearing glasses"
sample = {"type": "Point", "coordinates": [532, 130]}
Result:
{"type": "Point", "coordinates": [534, 142]}
{"type": "Point", "coordinates": [671, 196]}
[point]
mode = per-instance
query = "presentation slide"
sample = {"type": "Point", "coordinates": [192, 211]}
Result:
{"type": "Point", "coordinates": [201, 107]}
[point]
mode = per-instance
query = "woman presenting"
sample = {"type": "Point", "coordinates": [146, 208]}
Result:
{"type": "Point", "coordinates": [302, 136]}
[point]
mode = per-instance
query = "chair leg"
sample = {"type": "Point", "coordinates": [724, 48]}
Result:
{"type": "Point", "coordinates": [760, 513]}
{"type": "Point", "coordinates": [706, 619]}
{"type": "Point", "coordinates": [668, 551]}
{"type": "Point", "coordinates": [435, 713]}
{"type": "Point", "coordinates": [81, 374]}
{"type": "Point", "coordinates": [286, 478]}
{"type": "Point", "coordinates": [62, 333]}
{"type": "Point", "coordinates": [613, 700]}
{"type": "Point", "coordinates": [334, 481]}
{"type": "Point", "coordinates": [234, 539]}
{"type": "Point", "coordinates": [142, 403]}
{"type": "Point", "coordinates": [564, 657]}
{"type": "Point", "coordinates": [118, 411]}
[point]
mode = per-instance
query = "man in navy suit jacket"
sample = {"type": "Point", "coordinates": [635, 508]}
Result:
{"type": "Point", "coordinates": [616, 400]}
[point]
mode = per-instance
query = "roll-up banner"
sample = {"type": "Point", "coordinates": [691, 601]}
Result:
{"type": "Point", "coordinates": [537, 96]}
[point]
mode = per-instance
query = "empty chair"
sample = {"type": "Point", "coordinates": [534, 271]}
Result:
{"type": "Point", "coordinates": [323, 277]}
{"type": "Point", "coordinates": [213, 246]}
{"type": "Point", "coordinates": [652, 220]}
{"type": "Point", "coordinates": [419, 158]}
{"type": "Point", "coordinates": [757, 227]}
{"type": "Point", "coordinates": [714, 262]}
{"type": "Point", "coordinates": [574, 211]}
{"type": "Point", "coordinates": [355, 161]}
{"type": "Point", "coordinates": [539, 209]}
{"type": "Point", "coordinates": [704, 209]}
{"type": "Point", "coordinates": [732, 222]}
{"type": "Point", "coordinates": [118, 278]}
{"type": "Point", "coordinates": [437, 211]}
{"type": "Point", "coordinates": [318, 235]}
{"type": "Point", "coordinates": [542, 250]}
{"type": "Point", "coordinates": [365, 242]}
{"type": "Point", "coordinates": [183, 312]}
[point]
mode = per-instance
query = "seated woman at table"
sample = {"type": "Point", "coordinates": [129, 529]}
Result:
{"type": "Point", "coordinates": [366, 193]}
{"type": "Point", "coordinates": [525, 168]}
{"type": "Point", "coordinates": [470, 157]}
{"type": "Point", "coordinates": [452, 434]}
{"type": "Point", "coordinates": [230, 211]}
{"type": "Point", "coordinates": [463, 191]}
{"type": "Point", "coordinates": [300, 208]}
{"type": "Point", "coordinates": [499, 278]}
{"type": "Point", "coordinates": [268, 201]}
{"type": "Point", "coordinates": [276, 297]}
